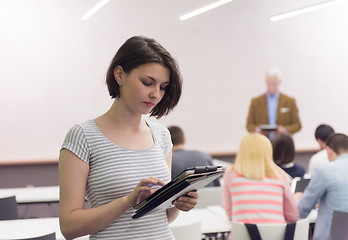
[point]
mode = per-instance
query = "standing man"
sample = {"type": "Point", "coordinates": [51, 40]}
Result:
{"type": "Point", "coordinates": [183, 158]}
{"type": "Point", "coordinates": [328, 187]}
{"type": "Point", "coordinates": [273, 112]}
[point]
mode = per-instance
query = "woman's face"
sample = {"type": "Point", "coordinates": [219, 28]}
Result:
{"type": "Point", "coordinates": [144, 87]}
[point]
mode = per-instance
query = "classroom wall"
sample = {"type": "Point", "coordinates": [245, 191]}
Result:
{"type": "Point", "coordinates": [46, 173]}
{"type": "Point", "coordinates": [53, 64]}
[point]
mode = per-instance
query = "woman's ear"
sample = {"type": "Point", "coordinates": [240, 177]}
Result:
{"type": "Point", "coordinates": [118, 75]}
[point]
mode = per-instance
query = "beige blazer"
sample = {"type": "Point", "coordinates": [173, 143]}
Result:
{"type": "Point", "coordinates": [287, 113]}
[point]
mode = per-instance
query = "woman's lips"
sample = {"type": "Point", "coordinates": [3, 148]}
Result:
{"type": "Point", "coordinates": [149, 104]}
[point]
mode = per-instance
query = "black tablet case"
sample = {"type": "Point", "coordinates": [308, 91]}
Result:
{"type": "Point", "coordinates": [268, 127]}
{"type": "Point", "coordinates": [189, 180]}
{"type": "Point", "coordinates": [301, 184]}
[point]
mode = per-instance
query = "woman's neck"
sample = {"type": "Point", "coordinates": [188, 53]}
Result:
{"type": "Point", "coordinates": [120, 117]}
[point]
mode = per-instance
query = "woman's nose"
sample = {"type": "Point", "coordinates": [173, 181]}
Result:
{"type": "Point", "coordinates": [155, 92]}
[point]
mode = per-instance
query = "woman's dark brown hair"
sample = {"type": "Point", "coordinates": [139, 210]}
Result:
{"type": "Point", "coordinates": [140, 50]}
{"type": "Point", "coordinates": [283, 149]}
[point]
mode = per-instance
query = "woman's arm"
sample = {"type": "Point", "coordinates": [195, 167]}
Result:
{"type": "Point", "coordinates": [291, 212]}
{"type": "Point", "coordinates": [227, 194]}
{"type": "Point", "coordinates": [76, 221]}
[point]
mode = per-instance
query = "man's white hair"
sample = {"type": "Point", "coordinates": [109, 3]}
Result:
{"type": "Point", "coordinates": [275, 72]}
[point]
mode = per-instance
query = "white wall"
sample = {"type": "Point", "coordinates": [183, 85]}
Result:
{"type": "Point", "coordinates": [53, 64]}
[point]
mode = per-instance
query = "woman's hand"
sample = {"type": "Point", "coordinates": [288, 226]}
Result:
{"type": "Point", "coordinates": [143, 190]}
{"type": "Point", "coordinates": [187, 202]}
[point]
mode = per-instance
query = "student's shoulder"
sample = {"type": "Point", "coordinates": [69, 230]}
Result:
{"type": "Point", "coordinates": [199, 154]}
{"type": "Point", "coordinates": [158, 129]}
{"type": "Point", "coordinates": [319, 155]}
{"type": "Point", "coordinates": [230, 173]}
{"type": "Point", "coordinates": [156, 126]}
{"type": "Point", "coordinates": [83, 126]}
{"type": "Point", "coordinates": [325, 169]}
{"type": "Point", "coordinates": [301, 170]}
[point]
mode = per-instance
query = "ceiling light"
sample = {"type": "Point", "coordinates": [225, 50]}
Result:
{"type": "Point", "coordinates": [203, 9]}
{"type": "Point", "coordinates": [303, 10]}
{"type": "Point", "coordinates": [94, 9]}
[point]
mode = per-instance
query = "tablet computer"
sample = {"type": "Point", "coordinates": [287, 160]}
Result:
{"type": "Point", "coordinates": [190, 179]}
{"type": "Point", "coordinates": [268, 127]}
{"type": "Point", "coordinates": [299, 184]}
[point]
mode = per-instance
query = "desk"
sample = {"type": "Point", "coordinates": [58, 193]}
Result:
{"type": "Point", "coordinates": [27, 228]}
{"type": "Point", "coordinates": [214, 219]}
{"type": "Point", "coordinates": [32, 194]}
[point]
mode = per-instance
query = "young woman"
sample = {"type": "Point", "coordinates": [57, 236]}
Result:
{"type": "Point", "coordinates": [113, 160]}
{"type": "Point", "coordinates": [284, 155]}
{"type": "Point", "coordinates": [257, 190]}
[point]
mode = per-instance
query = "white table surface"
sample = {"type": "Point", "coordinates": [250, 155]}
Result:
{"type": "Point", "coordinates": [27, 228]}
{"type": "Point", "coordinates": [214, 219]}
{"type": "Point", "coordinates": [32, 194]}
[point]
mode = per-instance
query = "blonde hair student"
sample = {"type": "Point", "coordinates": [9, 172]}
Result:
{"type": "Point", "coordinates": [254, 159]}
{"type": "Point", "coordinates": [256, 190]}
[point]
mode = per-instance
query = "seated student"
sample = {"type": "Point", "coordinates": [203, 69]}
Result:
{"type": "Point", "coordinates": [321, 134]}
{"type": "Point", "coordinates": [328, 187]}
{"type": "Point", "coordinates": [284, 154]}
{"type": "Point", "coordinates": [183, 158]}
{"type": "Point", "coordinates": [256, 190]}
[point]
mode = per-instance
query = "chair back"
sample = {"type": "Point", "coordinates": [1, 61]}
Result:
{"type": "Point", "coordinates": [8, 208]}
{"type": "Point", "coordinates": [339, 229]}
{"type": "Point", "coordinates": [187, 230]}
{"type": "Point", "coordinates": [210, 196]}
{"type": "Point", "coordinates": [272, 231]}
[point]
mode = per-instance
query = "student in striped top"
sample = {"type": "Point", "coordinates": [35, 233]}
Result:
{"type": "Point", "coordinates": [256, 190]}
{"type": "Point", "coordinates": [114, 159]}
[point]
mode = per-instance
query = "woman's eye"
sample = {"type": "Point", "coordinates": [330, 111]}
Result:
{"type": "Point", "coordinates": [164, 87]}
{"type": "Point", "coordinates": [146, 83]}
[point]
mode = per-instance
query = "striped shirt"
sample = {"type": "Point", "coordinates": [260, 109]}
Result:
{"type": "Point", "coordinates": [115, 171]}
{"type": "Point", "coordinates": [254, 201]}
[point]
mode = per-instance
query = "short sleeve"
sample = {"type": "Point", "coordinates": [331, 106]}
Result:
{"type": "Point", "coordinates": [76, 142]}
{"type": "Point", "coordinates": [168, 145]}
